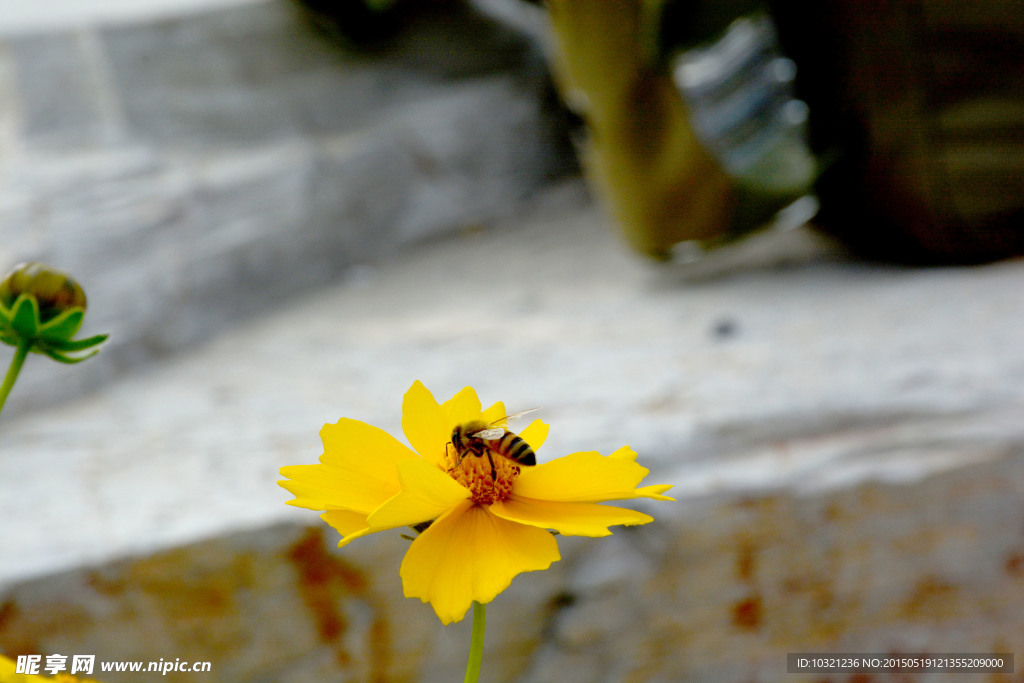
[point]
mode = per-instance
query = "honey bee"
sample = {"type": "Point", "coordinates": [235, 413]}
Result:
{"type": "Point", "coordinates": [480, 439]}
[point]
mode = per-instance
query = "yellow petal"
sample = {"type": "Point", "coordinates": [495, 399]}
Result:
{"type": "Point", "coordinates": [425, 423]}
{"type": "Point", "coordinates": [625, 453]}
{"type": "Point", "coordinates": [361, 447]}
{"type": "Point", "coordinates": [464, 407]}
{"type": "Point", "coordinates": [470, 555]}
{"type": "Point", "coordinates": [7, 667]}
{"type": "Point", "coordinates": [569, 519]}
{"type": "Point", "coordinates": [345, 521]}
{"type": "Point", "coordinates": [535, 434]}
{"type": "Point", "coordinates": [351, 525]}
{"type": "Point", "coordinates": [493, 415]}
{"type": "Point", "coordinates": [321, 487]}
{"type": "Point", "coordinates": [584, 477]}
{"type": "Point", "coordinates": [654, 491]}
{"type": "Point", "coordinates": [357, 470]}
{"type": "Point", "coordinates": [427, 493]}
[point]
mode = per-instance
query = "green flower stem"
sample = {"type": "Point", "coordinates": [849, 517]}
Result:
{"type": "Point", "coordinates": [12, 372]}
{"type": "Point", "coordinates": [476, 643]}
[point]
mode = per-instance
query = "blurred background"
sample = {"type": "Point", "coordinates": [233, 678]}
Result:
{"type": "Point", "coordinates": [773, 248]}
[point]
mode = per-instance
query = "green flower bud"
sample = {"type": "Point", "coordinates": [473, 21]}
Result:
{"type": "Point", "coordinates": [43, 308]}
{"type": "Point", "coordinates": [54, 291]}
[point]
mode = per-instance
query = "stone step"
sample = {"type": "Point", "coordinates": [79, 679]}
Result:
{"type": "Point", "coordinates": [845, 441]}
{"type": "Point", "coordinates": [194, 170]}
{"type": "Point", "coordinates": [719, 589]}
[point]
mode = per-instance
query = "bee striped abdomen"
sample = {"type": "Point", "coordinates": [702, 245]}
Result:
{"type": "Point", "coordinates": [515, 448]}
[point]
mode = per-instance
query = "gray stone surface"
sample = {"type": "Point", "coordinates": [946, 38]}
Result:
{"type": "Point", "coordinates": [845, 441]}
{"type": "Point", "coordinates": [259, 74]}
{"type": "Point", "coordinates": [833, 372]}
{"type": "Point", "coordinates": [59, 98]}
{"type": "Point", "coordinates": [192, 171]}
{"type": "Point", "coordinates": [23, 17]}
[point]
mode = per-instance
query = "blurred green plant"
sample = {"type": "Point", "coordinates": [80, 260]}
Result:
{"type": "Point", "coordinates": [41, 310]}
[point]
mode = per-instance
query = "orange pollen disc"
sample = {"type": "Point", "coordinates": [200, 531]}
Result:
{"type": "Point", "coordinates": [474, 472]}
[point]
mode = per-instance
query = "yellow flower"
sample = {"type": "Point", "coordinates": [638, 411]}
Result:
{"type": "Point", "coordinates": [485, 525]}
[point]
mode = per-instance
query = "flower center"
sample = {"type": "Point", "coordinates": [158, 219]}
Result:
{"type": "Point", "coordinates": [486, 485]}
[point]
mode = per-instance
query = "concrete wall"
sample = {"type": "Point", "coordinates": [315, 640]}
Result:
{"type": "Point", "coordinates": [191, 171]}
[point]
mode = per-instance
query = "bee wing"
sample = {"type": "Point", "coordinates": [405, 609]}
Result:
{"type": "Point", "coordinates": [515, 416]}
{"type": "Point", "coordinates": [491, 434]}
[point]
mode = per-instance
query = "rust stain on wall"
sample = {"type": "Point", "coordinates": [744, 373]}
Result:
{"type": "Point", "coordinates": [931, 597]}
{"type": "Point", "coordinates": [323, 581]}
{"type": "Point", "coordinates": [746, 613]}
{"type": "Point", "coordinates": [1014, 564]}
{"type": "Point", "coordinates": [13, 640]}
{"type": "Point", "coordinates": [746, 561]}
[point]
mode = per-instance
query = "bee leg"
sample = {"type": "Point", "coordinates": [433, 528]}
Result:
{"type": "Point", "coordinates": [494, 472]}
{"type": "Point", "coordinates": [457, 462]}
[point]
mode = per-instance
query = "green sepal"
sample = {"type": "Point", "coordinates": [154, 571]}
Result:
{"type": "Point", "coordinates": [25, 321]}
{"type": "Point", "coordinates": [61, 358]}
{"type": "Point", "coordinates": [7, 335]}
{"type": "Point", "coordinates": [76, 344]}
{"type": "Point", "coordinates": [64, 326]}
